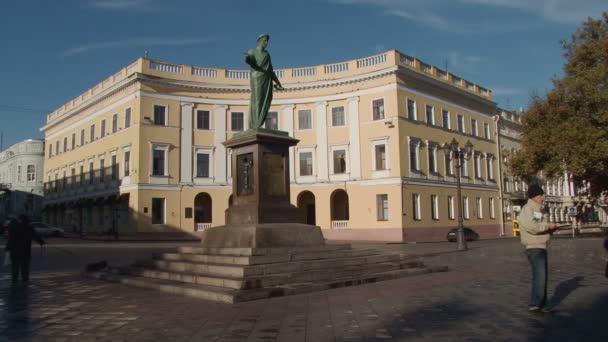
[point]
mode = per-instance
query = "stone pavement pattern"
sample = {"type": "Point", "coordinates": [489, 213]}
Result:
{"type": "Point", "coordinates": [482, 298]}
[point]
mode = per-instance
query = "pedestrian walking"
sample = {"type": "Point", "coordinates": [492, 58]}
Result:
{"type": "Point", "coordinates": [19, 244]}
{"type": "Point", "coordinates": [535, 234]}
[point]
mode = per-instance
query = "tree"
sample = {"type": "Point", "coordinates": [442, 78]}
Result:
{"type": "Point", "coordinates": [567, 129]}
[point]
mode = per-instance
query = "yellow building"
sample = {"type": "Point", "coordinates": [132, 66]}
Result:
{"type": "Point", "coordinates": [142, 151]}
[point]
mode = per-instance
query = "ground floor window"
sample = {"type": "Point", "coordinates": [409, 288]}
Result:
{"type": "Point", "coordinates": [158, 211]}
{"type": "Point", "coordinates": [382, 207]}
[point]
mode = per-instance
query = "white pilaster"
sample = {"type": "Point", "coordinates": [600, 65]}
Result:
{"type": "Point", "coordinates": [186, 143]}
{"type": "Point", "coordinates": [355, 143]}
{"type": "Point", "coordinates": [287, 120]}
{"type": "Point", "coordinates": [321, 130]}
{"type": "Point", "coordinates": [220, 136]}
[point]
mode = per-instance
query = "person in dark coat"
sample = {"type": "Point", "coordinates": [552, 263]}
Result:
{"type": "Point", "coordinates": [19, 244]}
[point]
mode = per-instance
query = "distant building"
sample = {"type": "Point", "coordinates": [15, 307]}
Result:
{"type": "Point", "coordinates": [21, 183]}
{"type": "Point", "coordinates": [142, 150]}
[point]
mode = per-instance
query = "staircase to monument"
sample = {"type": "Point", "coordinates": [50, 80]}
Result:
{"type": "Point", "coordinates": [234, 275]}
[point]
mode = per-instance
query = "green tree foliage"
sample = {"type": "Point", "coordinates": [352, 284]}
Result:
{"type": "Point", "coordinates": [567, 129]}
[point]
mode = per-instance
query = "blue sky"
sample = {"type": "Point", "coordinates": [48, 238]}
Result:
{"type": "Point", "coordinates": [52, 51]}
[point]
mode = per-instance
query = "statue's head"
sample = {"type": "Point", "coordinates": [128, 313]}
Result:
{"type": "Point", "coordinates": [263, 39]}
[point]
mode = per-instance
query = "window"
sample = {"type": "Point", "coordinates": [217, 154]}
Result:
{"type": "Point", "coordinates": [491, 206]}
{"type": "Point", "coordinates": [272, 121]}
{"type": "Point", "coordinates": [430, 115]}
{"type": "Point", "coordinates": [478, 208]}
{"type": "Point", "coordinates": [102, 170]}
{"type": "Point", "coordinates": [19, 173]}
{"type": "Point", "coordinates": [465, 207]}
{"type": "Point", "coordinates": [82, 137]}
{"type": "Point", "coordinates": [305, 119]}
{"type": "Point", "coordinates": [114, 123]}
{"type": "Point", "coordinates": [202, 165]}
{"type": "Point", "coordinates": [474, 127]}
{"type": "Point", "coordinates": [65, 144]}
{"type": "Point", "coordinates": [90, 215]}
{"type": "Point", "coordinates": [159, 160]}
{"type": "Point", "coordinates": [73, 177]}
{"type": "Point", "coordinates": [160, 115]}
{"type": "Point", "coordinates": [31, 173]}
{"type": "Point", "coordinates": [411, 109]}
{"type": "Point", "coordinates": [434, 208]}
{"type": "Point", "coordinates": [477, 157]}
{"type": "Point", "coordinates": [380, 156]}
{"type": "Point", "coordinates": [92, 135]}
{"type": "Point", "coordinates": [337, 116]}
{"type": "Point", "coordinates": [73, 141]}
{"type": "Point", "coordinates": [464, 171]}
{"type": "Point", "coordinates": [202, 119]}
{"type": "Point", "coordinates": [489, 167]}
{"type": "Point", "coordinates": [414, 155]}
{"type": "Point", "coordinates": [103, 129]}
{"type": "Point", "coordinates": [81, 174]}
{"type": "Point", "coordinates": [114, 170]}
{"type": "Point", "coordinates": [101, 213]}
{"type": "Point", "coordinates": [460, 123]}
{"type": "Point", "coordinates": [91, 172]}
{"type": "Point", "coordinates": [445, 123]}
{"type": "Point", "coordinates": [507, 185]}
{"type": "Point", "coordinates": [416, 203]}
{"type": "Point", "coordinates": [432, 152]}
{"type": "Point", "coordinates": [449, 166]}
{"type": "Point", "coordinates": [486, 131]}
{"type": "Point", "coordinates": [50, 150]}
{"type": "Point", "coordinates": [382, 207]}
{"type": "Point", "coordinates": [451, 211]}
{"type": "Point", "coordinates": [378, 109]}
{"type": "Point", "coordinates": [305, 163]}
{"type": "Point", "coordinates": [57, 146]}
{"type": "Point", "coordinates": [237, 121]}
{"type": "Point", "coordinates": [127, 117]}
{"type": "Point", "coordinates": [126, 163]}
{"type": "Point", "coordinates": [339, 161]}
{"type": "Point", "coordinates": [158, 211]}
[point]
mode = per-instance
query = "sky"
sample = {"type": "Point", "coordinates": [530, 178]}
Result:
{"type": "Point", "coordinates": [52, 51]}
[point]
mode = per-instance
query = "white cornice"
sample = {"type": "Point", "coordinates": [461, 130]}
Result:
{"type": "Point", "coordinates": [92, 101]}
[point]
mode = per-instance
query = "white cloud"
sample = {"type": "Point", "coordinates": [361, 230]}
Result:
{"type": "Point", "coordinates": [503, 91]}
{"type": "Point", "coordinates": [561, 11]}
{"type": "Point", "coordinates": [436, 13]}
{"type": "Point", "coordinates": [139, 42]}
{"type": "Point", "coordinates": [118, 4]}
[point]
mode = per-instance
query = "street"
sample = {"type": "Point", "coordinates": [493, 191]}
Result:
{"type": "Point", "coordinates": [482, 298]}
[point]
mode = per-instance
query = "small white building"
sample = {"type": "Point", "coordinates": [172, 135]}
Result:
{"type": "Point", "coordinates": [21, 183]}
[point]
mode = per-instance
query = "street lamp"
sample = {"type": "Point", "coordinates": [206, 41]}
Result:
{"type": "Point", "coordinates": [458, 155]}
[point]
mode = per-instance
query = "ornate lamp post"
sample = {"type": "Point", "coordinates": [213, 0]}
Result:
{"type": "Point", "coordinates": [458, 155]}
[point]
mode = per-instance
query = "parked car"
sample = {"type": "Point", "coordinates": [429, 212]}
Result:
{"type": "Point", "coordinates": [44, 229]}
{"type": "Point", "coordinates": [469, 234]}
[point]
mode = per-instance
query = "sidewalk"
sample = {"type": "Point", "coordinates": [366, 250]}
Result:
{"type": "Point", "coordinates": [482, 298]}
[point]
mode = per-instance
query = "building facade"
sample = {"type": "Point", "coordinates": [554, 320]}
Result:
{"type": "Point", "coordinates": [21, 184]}
{"type": "Point", "coordinates": [143, 150]}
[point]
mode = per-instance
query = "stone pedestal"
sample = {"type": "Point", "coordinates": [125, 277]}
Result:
{"type": "Point", "coordinates": [261, 214]}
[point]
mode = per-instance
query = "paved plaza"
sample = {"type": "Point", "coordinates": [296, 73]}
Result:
{"type": "Point", "coordinates": [482, 298]}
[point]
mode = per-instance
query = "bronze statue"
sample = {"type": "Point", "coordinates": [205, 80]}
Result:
{"type": "Point", "coordinates": [261, 78]}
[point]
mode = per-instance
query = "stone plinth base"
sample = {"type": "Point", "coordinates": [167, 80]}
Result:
{"type": "Point", "coordinates": [263, 236]}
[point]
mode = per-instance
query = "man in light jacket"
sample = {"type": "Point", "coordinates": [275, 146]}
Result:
{"type": "Point", "coordinates": [535, 233]}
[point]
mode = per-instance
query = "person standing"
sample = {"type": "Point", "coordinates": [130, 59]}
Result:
{"type": "Point", "coordinates": [261, 77]}
{"type": "Point", "coordinates": [19, 244]}
{"type": "Point", "coordinates": [535, 234]}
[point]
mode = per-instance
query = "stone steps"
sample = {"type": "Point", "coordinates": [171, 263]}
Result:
{"type": "Point", "coordinates": [263, 259]}
{"type": "Point", "coordinates": [231, 296]}
{"type": "Point", "coordinates": [240, 274]}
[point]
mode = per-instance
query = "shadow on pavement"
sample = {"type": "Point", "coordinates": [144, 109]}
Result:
{"type": "Point", "coordinates": [564, 288]}
{"type": "Point", "coordinates": [16, 312]}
